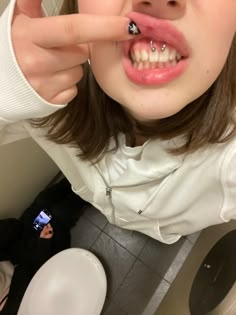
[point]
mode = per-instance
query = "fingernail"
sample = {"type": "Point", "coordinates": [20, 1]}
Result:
{"type": "Point", "coordinates": [133, 28]}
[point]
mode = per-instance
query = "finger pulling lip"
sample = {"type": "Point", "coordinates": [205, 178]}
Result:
{"type": "Point", "coordinates": [158, 30]}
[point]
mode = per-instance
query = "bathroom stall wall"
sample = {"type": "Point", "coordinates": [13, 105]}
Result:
{"type": "Point", "coordinates": [24, 171]}
{"type": "Point", "coordinates": [24, 168]}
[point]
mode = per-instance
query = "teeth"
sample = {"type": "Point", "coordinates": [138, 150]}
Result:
{"type": "Point", "coordinates": [173, 62]}
{"type": "Point", "coordinates": [154, 56]}
{"type": "Point", "coordinates": [144, 55]}
{"type": "Point", "coordinates": [137, 56]}
{"type": "Point", "coordinates": [164, 56]}
{"type": "Point", "coordinates": [146, 65]}
{"type": "Point", "coordinates": [178, 56]}
{"type": "Point", "coordinates": [144, 59]}
{"type": "Point", "coordinates": [154, 65]}
{"type": "Point", "coordinates": [173, 55]}
{"type": "Point", "coordinates": [140, 66]}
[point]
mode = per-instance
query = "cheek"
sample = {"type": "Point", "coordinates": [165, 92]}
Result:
{"type": "Point", "coordinates": [103, 58]}
{"type": "Point", "coordinates": [102, 7]}
{"type": "Point", "coordinates": [87, 6]}
{"type": "Point", "coordinates": [212, 59]}
{"type": "Point", "coordinates": [83, 6]}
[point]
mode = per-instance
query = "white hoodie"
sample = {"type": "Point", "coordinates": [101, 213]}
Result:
{"type": "Point", "coordinates": [143, 188]}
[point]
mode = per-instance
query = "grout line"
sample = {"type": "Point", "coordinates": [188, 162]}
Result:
{"type": "Point", "coordinates": [124, 278]}
{"type": "Point", "coordinates": [95, 240]}
{"type": "Point", "coordinates": [88, 219]}
{"type": "Point", "coordinates": [105, 224]}
{"type": "Point", "coordinates": [152, 270]}
{"type": "Point", "coordinates": [120, 244]}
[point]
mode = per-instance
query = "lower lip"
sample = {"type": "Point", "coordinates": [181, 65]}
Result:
{"type": "Point", "coordinates": [156, 76]}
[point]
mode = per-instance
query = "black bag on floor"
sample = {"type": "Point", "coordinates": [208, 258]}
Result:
{"type": "Point", "coordinates": [21, 244]}
{"type": "Point", "coordinates": [65, 207]}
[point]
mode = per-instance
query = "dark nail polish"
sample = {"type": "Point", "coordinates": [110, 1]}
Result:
{"type": "Point", "coordinates": [133, 28]}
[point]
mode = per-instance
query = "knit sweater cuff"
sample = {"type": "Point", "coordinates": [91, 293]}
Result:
{"type": "Point", "coordinates": [18, 100]}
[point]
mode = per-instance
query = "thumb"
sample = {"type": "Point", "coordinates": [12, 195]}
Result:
{"type": "Point", "coordinates": [30, 8]}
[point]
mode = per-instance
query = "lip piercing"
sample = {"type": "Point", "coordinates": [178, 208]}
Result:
{"type": "Point", "coordinates": [153, 48]}
{"type": "Point", "coordinates": [163, 48]}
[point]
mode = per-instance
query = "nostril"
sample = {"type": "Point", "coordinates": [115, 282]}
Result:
{"type": "Point", "coordinates": [146, 3]}
{"type": "Point", "coordinates": [172, 3]}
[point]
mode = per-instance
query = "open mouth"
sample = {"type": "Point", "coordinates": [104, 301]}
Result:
{"type": "Point", "coordinates": [156, 56]}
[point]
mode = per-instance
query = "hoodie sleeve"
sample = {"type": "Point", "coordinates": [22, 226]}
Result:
{"type": "Point", "coordinates": [228, 183]}
{"type": "Point", "coordinates": [18, 100]}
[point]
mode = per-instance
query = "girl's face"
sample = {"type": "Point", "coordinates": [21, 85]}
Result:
{"type": "Point", "coordinates": [191, 40]}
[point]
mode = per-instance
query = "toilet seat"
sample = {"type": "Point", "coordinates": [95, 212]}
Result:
{"type": "Point", "coordinates": [214, 290]}
{"type": "Point", "coordinates": [228, 305]}
{"type": "Point", "coordinates": [71, 282]}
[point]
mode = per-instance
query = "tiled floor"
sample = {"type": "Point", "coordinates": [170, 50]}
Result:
{"type": "Point", "coordinates": [134, 263]}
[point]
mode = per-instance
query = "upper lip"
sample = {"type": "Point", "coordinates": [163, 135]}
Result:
{"type": "Point", "coordinates": [160, 30]}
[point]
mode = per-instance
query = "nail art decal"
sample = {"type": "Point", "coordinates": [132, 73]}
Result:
{"type": "Point", "coordinates": [133, 28]}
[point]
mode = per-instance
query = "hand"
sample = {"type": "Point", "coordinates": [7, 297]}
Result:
{"type": "Point", "coordinates": [47, 232]}
{"type": "Point", "coordinates": [51, 50]}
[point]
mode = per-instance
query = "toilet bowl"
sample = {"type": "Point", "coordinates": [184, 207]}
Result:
{"type": "Point", "coordinates": [71, 282]}
{"type": "Point", "coordinates": [213, 289]}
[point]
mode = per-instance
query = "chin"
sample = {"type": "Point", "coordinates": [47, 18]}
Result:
{"type": "Point", "coordinates": [150, 115]}
{"type": "Point", "coordinates": [147, 112]}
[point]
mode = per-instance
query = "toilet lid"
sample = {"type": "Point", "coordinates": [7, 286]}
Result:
{"type": "Point", "coordinates": [71, 282]}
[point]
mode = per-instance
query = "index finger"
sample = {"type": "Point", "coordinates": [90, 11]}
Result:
{"type": "Point", "coordinates": [59, 31]}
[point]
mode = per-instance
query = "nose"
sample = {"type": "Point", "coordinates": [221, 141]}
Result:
{"type": "Point", "coordinates": [163, 9]}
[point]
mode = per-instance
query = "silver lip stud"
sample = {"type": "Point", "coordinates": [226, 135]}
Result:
{"type": "Point", "coordinates": [163, 48]}
{"type": "Point", "coordinates": [152, 47]}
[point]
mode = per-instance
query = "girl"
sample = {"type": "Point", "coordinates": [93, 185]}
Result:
{"type": "Point", "coordinates": [148, 136]}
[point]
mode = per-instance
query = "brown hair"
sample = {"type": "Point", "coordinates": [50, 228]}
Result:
{"type": "Point", "coordinates": [92, 118]}
{"type": "Point", "coordinates": [69, 7]}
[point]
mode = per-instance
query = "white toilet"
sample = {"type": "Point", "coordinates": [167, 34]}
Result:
{"type": "Point", "coordinates": [71, 282]}
{"type": "Point", "coordinates": [213, 289]}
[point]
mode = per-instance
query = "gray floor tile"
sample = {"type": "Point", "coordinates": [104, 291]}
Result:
{"type": "Point", "coordinates": [137, 289]}
{"type": "Point", "coordinates": [95, 216]}
{"type": "Point", "coordinates": [116, 260]}
{"type": "Point", "coordinates": [131, 240]}
{"type": "Point", "coordinates": [84, 234]}
{"type": "Point", "coordinates": [193, 237]}
{"type": "Point", "coordinates": [112, 308]}
{"type": "Point", "coordinates": [159, 256]}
